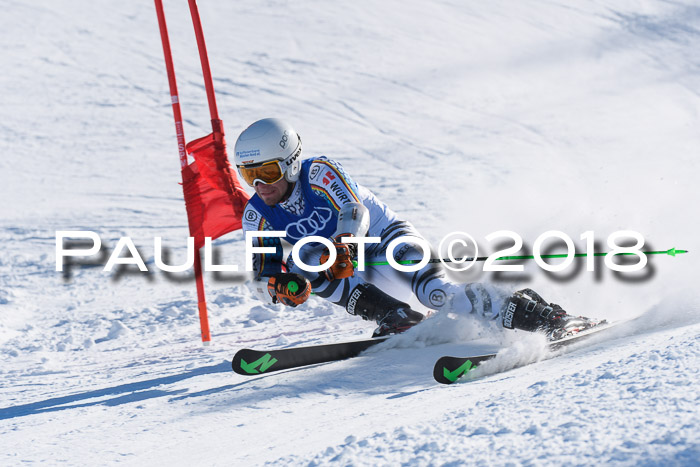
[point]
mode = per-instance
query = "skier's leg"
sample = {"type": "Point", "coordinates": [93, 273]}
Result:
{"type": "Point", "coordinates": [371, 303]}
{"type": "Point", "coordinates": [521, 310]}
{"type": "Point", "coordinates": [429, 284]}
{"type": "Point", "coordinates": [527, 310]}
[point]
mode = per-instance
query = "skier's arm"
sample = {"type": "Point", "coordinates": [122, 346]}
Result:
{"type": "Point", "coordinates": [272, 283]}
{"type": "Point", "coordinates": [288, 288]}
{"type": "Point", "coordinates": [265, 265]}
{"type": "Point", "coordinates": [353, 221]}
{"type": "Point", "coordinates": [328, 179]}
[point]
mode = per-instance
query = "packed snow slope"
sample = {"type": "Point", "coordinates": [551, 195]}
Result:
{"type": "Point", "coordinates": [527, 116]}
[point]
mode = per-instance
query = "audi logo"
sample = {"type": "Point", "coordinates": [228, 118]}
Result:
{"type": "Point", "coordinates": [311, 226]}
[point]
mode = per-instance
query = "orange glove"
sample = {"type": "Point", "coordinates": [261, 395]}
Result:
{"type": "Point", "coordinates": [342, 267]}
{"type": "Point", "coordinates": [288, 288]}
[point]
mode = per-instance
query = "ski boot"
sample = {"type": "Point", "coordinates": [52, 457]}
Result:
{"type": "Point", "coordinates": [397, 321]}
{"type": "Point", "coordinates": [392, 316]}
{"type": "Point", "coordinates": [527, 310]}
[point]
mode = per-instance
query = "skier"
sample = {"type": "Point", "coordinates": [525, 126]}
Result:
{"type": "Point", "coordinates": [317, 197]}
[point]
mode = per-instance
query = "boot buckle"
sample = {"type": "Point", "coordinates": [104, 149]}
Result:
{"type": "Point", "coordinates": [546, 311]}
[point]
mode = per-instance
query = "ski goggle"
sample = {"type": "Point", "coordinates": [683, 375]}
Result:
{"type": "Point", "coordinates": [268, 172]}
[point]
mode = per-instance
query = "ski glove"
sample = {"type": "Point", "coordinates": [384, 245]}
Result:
{"type": "Point", "coordinates": [288, 288]}
{"type": "Point", "coordinates": [342, 267]}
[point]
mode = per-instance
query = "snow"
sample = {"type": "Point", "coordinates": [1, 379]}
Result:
{"type": "Point", "coordinates": [526, 116]}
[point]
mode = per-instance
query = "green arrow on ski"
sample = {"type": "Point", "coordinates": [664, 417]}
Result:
{"type": "Point", "coordinates": [265, 362]}
{"type": "Point", "coordinates": [456, 374]}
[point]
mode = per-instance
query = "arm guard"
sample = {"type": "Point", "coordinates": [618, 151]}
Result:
{"type": "Point", "coordinates": [353, 219]}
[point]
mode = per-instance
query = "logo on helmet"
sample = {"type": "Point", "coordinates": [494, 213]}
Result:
{"type": "Point", "coordinates": [249, 153]}
{"type": "Point", "coordinates": [285, 138]}
{"type": "Point", "coordinates": [291, 160]}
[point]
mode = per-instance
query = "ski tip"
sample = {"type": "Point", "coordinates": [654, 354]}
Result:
{"type": "Point", "coordinates": [448, 370]}
{"type": "Point", "coordinates": [252, 367]}
{"type": "Point", "coordinates": [442, 373]}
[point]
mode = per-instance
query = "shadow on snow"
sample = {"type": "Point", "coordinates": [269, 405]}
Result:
{"type": "Point", "coordinates": [124, 394]}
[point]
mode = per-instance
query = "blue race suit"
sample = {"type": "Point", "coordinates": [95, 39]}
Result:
{"type": "Point", "coordinates": [312, 209]}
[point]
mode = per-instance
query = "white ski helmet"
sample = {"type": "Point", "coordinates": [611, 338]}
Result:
{"type": "Point", "coordinates": [266, 140]}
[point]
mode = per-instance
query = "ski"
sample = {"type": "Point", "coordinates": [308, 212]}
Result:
{"type": "Point", "coordinates": [448, 370]}
{"type": "Point", "coordinates": [251, 362]}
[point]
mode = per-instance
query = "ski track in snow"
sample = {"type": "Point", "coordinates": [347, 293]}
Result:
{"type": "Point", "coordinates": [480, 117]}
